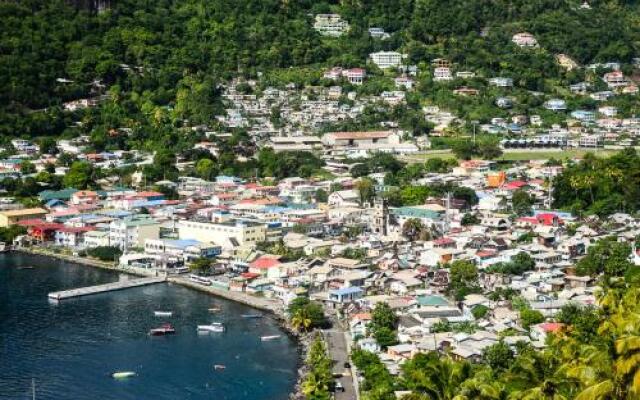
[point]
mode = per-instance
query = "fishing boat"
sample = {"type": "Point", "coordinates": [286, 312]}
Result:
{"type": "Point", "coordinates": [123, 374]}
{"type": "Point", "coordinates": [213, 327]}
{"type": "Point", "coordinates": [219, 367]}
{"type": "Point", "coordinates": [251, 315]}
{"type": "Point", "coordinates": [163, 313]}
{"type": "Point", "coordinates": [165, 329]}
{"type": "Point", "coordinates": [267, 338]}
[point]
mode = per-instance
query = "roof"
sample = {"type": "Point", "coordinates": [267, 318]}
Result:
{"type": "Point", "coordinates": [265, 262]}
{"type": "Point", "coordinates": [64, 194]}
{"type": "Point", "coordinates": [360, 135]}
{"type": "Point", "coordinates": [346, 291]}
{"type": "Point", "coordinates": [23, 212]}
{"type": "Point", "coordinates": [433, 301]}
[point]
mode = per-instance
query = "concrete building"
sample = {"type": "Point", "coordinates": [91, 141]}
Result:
{"type": "Point", "coordinates": [133, 231]}
{"type": "Point", "coordinates": [330, 25]}
{"type": "Point", "coordinates": [11, 217]}
{"type": "Point", "coordinates": [227, 235]}
{"type": "Point", "coordinates": [386, 59]}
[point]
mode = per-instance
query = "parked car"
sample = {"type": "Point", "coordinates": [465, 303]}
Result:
{"type": "Point", "coordinates": [339, 387]}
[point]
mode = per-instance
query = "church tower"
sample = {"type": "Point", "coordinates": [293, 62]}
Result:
{"type": "Point", "coordinates": [380, 216]}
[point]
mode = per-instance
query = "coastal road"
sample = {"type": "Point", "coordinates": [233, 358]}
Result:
{"type": "Point", "coordinates": [339, 353]}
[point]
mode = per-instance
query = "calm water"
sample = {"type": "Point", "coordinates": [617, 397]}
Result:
{"type": "Point", "coordinates": [71, 348]}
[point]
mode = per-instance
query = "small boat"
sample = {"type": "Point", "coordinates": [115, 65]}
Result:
{"type": "Point", "coordinates": [200, 280]}
{"type": "Point", "coordinates": [3, 247]}
{"type": "Point", "coordinates": [214, 309]}
{"type": "Point", "coordinates": [219, 367]}
{"type": "Point", "coordinates": [123, 374]}
{"type": "Point", "coordinates": [163, 313]}
{"type": "Point", "coordinates": [25, 267]}
{"type": "Point", "coordinates": [213, 327]}
{"type": "Point", "coordinates": [267, 338]}
{"type": "Point", "coordinates": [165, 329]}
{"type": "Point", "coordinates": [251, 315]}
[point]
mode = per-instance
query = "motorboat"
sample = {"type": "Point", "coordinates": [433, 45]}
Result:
{"type": "Point", "coordinates": [219, 367]}
{"type": "Point", "coordinates": [165, 329]}
{"type": "Point", "coordinates": [267, 338]}
{"type": "Point", "coordinates": [123, 374]}
{"type": "Point", "coordinates": [163, 313]}
{"type": "Point", "coordinates": [200, 280]}
{"type": "Point", "coordinates": [213, 327]}
{"type": "Point", "coordinates": [3, 247]}
{"type": "Point", "coordinates": [215, 309]}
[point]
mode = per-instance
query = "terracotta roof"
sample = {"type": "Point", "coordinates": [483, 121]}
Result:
{"type": "Point", "coordinates": [265, 262]}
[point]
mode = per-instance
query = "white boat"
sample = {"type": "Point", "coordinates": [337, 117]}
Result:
{"type": "Point", "coordinates": [123, 374]}
{"type": "Point", "coordinates": [267, 338]}
{"type": "Point", "coordinates": [200, 279]}
{"type": "Point", "coordinates": [3, 247]}
{"type": "Point", "coordinates": [213, 327]}
{"type": "Point", "coordinates": [163, 313]}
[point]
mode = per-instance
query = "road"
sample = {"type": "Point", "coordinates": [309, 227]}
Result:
{"type": "Point", "coordinates": [338, 352]}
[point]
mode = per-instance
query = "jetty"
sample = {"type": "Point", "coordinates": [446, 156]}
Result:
{"type": "Point", "coordinates": [107, 287]}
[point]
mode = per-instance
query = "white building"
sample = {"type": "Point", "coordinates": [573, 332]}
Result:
{"type": "Point", "coordinates": [555, 105]}
{"type": "Point", "coordinates": [442, 74]}
{"type": "Point", "coordinates": [133, 231]}
{"type": "Point", "coordinates": [524, 39]}
{"type": "Point", "coordinates": [386, 59]}
{"type": "Point", "coordinates": [330, 25]}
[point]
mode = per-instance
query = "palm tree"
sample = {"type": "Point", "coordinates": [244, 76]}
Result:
{"type": "Point", "coordinates": [314, 387]}
{"type": "Point", "coordinates": [483, 386]}
{"type": "Point", "coordinates": [412, 228]}
{"type": "Point", "coordinates": [301, 321]}
{"type": "Point", "coordinates": [437, 378]}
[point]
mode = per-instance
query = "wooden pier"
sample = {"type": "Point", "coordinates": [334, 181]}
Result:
{"type": "Point", "coordinates": [108, 287]}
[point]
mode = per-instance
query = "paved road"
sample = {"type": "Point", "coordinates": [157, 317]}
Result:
{"type": "Point", "coordinates": [337, 346]}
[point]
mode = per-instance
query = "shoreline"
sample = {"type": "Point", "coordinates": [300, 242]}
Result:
{"type": "Point", "coordinates": [270, 306]}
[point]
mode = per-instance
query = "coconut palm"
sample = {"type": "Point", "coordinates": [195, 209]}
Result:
{"type": "Point", "coordinates": [437, 378]}
{"type": "Point", "coordinates": [483, 386]}
{"type": "Point", "coordinates": [300, 320]}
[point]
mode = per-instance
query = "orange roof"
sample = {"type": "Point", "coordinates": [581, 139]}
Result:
{"type": "Point", "coordinates": [265, 262]}
{"type": "Point", "coordinates": [363, 316]}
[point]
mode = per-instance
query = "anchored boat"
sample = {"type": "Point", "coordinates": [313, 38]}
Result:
{"type": "Point", "coordinates": [123, 374]}
{"type": "Point", "coordinates": [163, 313]}
{"type": "Point", "coordinates": [213, 327]}
{"type": "Point", "coordinates": [165, 329]}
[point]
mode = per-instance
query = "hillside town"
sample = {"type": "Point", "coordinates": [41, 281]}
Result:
{"type": "Point", "coordinates": [461, 273]}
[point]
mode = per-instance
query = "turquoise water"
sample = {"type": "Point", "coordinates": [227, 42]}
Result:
{"type": "Point", "coordinates": [72, 347]}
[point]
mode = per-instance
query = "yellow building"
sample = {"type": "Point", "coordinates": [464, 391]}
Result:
{"type": "Point", "coordinates": [12, 217]}
{"type": "Point", "coordinates": [228, 235]}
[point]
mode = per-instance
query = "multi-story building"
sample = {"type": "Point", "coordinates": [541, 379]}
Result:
{"type": "Point", "coordinates": [227, 235]}
{"type": "Point", "coordinates": [386, 59]}
{"type": "Point", "coordinates": [133, 231]}
{"type": "Point", "coordinates": [330, 25]}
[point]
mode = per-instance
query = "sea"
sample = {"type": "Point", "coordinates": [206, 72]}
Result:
{"type": "Point", "coordinates": [70, 349]}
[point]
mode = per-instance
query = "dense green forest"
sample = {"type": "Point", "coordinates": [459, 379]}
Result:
{"type": "Point", "coordinates": [162, 62]}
